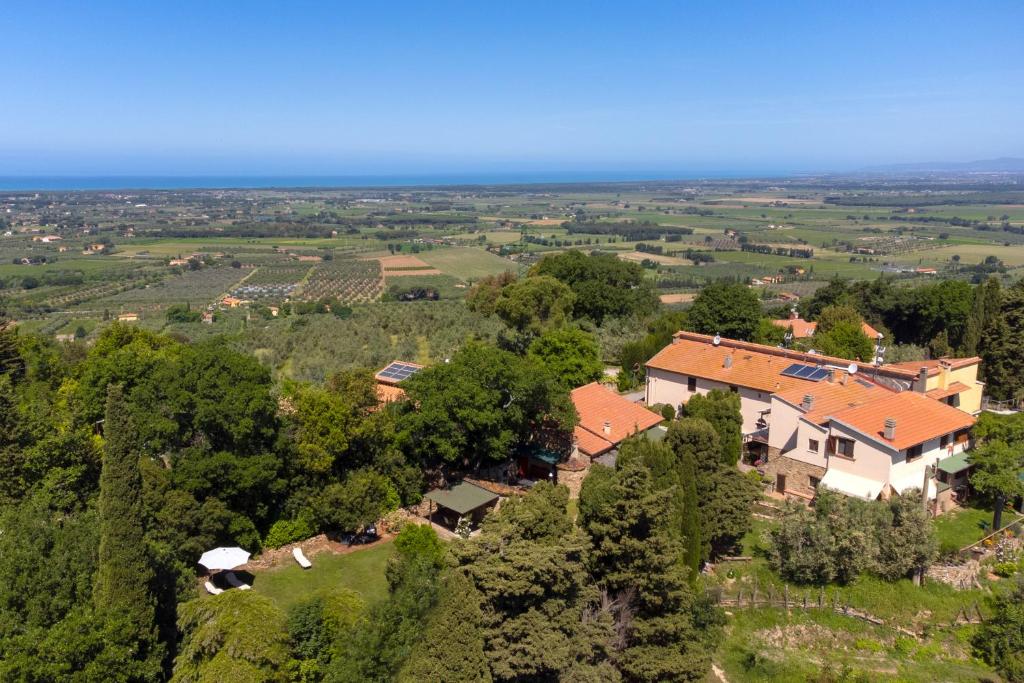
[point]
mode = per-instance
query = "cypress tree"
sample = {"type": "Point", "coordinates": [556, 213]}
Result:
{"type": "Point", "coordinates": [124, 574]}
{"type": "Point", "coordinates": [691, 530]}
{"type": "Point", "coordinates": [11, 362]}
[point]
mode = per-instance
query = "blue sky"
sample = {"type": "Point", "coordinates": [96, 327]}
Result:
{"type": "Point", "coordinates": [393, 87]}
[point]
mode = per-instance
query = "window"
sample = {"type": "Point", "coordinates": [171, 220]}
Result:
{"type": "Point", "coordinates": [914, 452]}
{"type": "Point", "coordinates": [841, 447]}
{"type": "Point", "coordinates": [813, 481]}
{"type": "Point", "coordinates": [944, 441]}
{"type": "Point", "coordinates": [691, 384]}
{"type": "Point", "coordinates": [961, 436]}
{"type": "Point", "coordinates": [813, 445]}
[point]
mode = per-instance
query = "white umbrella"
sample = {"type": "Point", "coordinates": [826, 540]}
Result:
{"type": "Point", "coordinates": [224, 558]}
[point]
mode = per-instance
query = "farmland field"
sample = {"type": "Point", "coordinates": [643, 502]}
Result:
{"type": "Point", "coordinates": [467, 263]}
{"type": "Point", "coordinates": [276, 246]}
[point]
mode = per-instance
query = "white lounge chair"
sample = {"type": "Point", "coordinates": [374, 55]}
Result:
{"type": "Point", "coordinates": [301, 558]}
{"type": "Point", "coordinates": [236, 582]}
{"type": "Point", "coordinates": [213, 590]}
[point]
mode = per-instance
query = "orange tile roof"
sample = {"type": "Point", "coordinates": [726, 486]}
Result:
{"type": "Point", "coordinates": [801, 328]}
{"type": "Point", "coordinates": [832, 397]}
{"type": "Point", "coordinates": [954, 388]}
{"type": "Point", "coordinates": [933, 365]}
{"type": "Point", "coordinates": [597, 405]}
{"type": "Point", "coordinates": [591, 444]}
{"type": "Point", "coordinates": [918, 418]}
{"type": "Point", "coordinates": [805, 328]}
{"type": "Point", "coordinates": [750, 368]}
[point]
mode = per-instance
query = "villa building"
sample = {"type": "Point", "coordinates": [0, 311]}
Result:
{"type": "Point", "coordinates": [813, 420]}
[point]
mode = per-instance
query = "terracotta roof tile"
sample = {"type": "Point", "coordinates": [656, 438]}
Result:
{"type": "Point", "coordinates": [591, 444]}
{"type": "Point", "coordinates": [750, 367]}
{"type": "Point", "coordinates": [954, 388]}
{"type": "Point", "coordinates": [597, 405]}
{"type": "Point", "coordinates": [918, 418]}
{"type": "Point", "coordinates": [831, 397]}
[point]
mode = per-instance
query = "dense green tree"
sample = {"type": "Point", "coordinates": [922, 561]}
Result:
{"type": "Point", "coordinates": [124, 572]}
{"type": "Point", "coordinates": [731, 310]}
{"type": "Point", "coordinates": [605, 286]}
{"type": "Point", "coordinates": [635, 354]}
{"type": "Point", "coordinates": [570, 355]}
{"type": "Point", "coordinates": [236, 636]}
{"type": "Point", "coordinates": [996, 473]}
{"type": "Point", "coordinates": [1002, 346]}
{"type": "Point", "coordinates": [451, 647]}
{"type": "Point", "coordinates": [483, 295]}
{"type": "Point", "coordinates": [322, 423]}
{"type": "Point", "coordinates": [317, 626]}
{"type": "Point", "coordinates": [768, 333]}
{"type": "Point", "coordinates": [636, 559]}
{"type": "Point", "coordinates": [1000, 638]}
{"type": "Point", "coordinates": [987, 301]}
{"type": "Point", "coordinates": [845, 340]}
{"type": "Point", "coordinates": [360, 500]}
{"type": "Point", "coordinates": [527, 564]}
{"type": "Point", "coordinates": [480, 407]}
{"type": "Point", "coordinates": [906, 537]}
{"type": "Point", "coordinates": [725, 495]}
{"type": "Point", "coordinates": [722, 410]}
{"type": "Point", "coordinates": [677, 476]}
{"type": "Point", "coordinates": [378, 647]}
{"type": "Point", "coordinates": [534, 305]}
{"type": "Point", "coordinates": [835, 541]}
{"type": "Point", "coordinates": [11, 362]}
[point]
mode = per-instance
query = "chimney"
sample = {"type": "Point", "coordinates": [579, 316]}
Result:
{"type": "Point", "coordinates": [807, 402]}
{"type": "Point", "coordinates": [922, 381]}
{"type": "Point", "coordinates": [607, 429]}
{"type": "Point", "coordinates": [890, 428]}
{"type": "Point", "coordinates": [793, 315]}
{"type": "Point", "coordinates": [727, 363]}
{"type": "Point", "coordinates": [831, 374]}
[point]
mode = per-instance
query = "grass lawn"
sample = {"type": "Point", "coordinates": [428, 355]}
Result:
{"type": "Point", "coordinates": [361, 571]}
{"type": "Point", "coordinates": [960, 528]}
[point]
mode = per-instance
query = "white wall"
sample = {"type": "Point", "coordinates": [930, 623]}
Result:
{"type": "Point", "coordinates": [782, 425]}
{"type": "Point", "coordinates": [670, 387]}
{"type": "Point", "coordinates": [881, 463]}
{"type": "Point", "coordinates": [801, 450]}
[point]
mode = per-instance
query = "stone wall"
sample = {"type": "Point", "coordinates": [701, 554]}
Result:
{"type": "Point", "coordinates": [571, 475]}
{"type": "Point", "coordinates": [797, 473]}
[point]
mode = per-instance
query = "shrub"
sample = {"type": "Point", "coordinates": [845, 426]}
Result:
{"type": "Point", "coordinates": [285, 531]}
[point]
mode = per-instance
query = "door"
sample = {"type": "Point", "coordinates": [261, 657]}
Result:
{"type": "Point", "coordinates": [780, 483]}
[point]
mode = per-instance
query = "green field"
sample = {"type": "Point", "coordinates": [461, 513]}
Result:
{"type": "Point", "coordinates": [467, 263]}
{"type": "Point", "coordinates": [361, 571]}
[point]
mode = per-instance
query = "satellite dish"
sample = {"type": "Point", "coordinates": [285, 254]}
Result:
{"type": "Point", "coordinates": [811, 352]}
{"type": "Point", "coordinates": [717, 340]}
{"type": "Point", "coordinates": [852, 369]}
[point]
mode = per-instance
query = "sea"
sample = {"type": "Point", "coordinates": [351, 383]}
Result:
{"type": "Point", "coordinates": [190, 182]}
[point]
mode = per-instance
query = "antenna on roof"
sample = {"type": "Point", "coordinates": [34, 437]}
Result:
{"type": "Point", "coordinates": [717, 340]}
{"type": "Point", "coordinates": [852, 369]}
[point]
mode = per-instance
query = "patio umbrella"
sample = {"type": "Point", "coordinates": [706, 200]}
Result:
{"type": "Point", "coordinates": [224, 558]}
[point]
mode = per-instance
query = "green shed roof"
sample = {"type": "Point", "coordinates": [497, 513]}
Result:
{"type": "Point", "coordinates": [463, 497]}
{"type": "Point", "coordinates": [954, 463]}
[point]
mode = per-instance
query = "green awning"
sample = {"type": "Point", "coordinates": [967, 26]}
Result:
{"type": "Point", "coordinates": [954, 463]}
{"type": "Point", "coordinates": [462, 498]}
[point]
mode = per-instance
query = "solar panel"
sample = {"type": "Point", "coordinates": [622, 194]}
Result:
{"type": "Point", "coordinates": [398, 371]}
{"type": "Point", "coordinates": [808, 372]}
